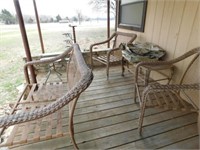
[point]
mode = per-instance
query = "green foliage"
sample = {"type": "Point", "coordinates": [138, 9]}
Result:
{"type": "Point", "coordinates": [7, 17]}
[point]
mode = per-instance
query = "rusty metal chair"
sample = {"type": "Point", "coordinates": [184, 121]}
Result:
{"type": "Point", "coordinates": [37, 119]}
{"type": "Point", "coordinates": [113, 54]}
{"type": "Point", "coordinates": [170, 96]}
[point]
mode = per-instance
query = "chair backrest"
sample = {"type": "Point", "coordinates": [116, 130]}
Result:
{"type": "Point", "coordinates": [77, 71]}
{"type": "Point", "coordinates": [79, 76]}
{"type": "Point", "coordinates": [188, 66]}
{"type": "Point", "coordinates": [122, 37]}
{"type": "Point", "coordinates": [191, 75]}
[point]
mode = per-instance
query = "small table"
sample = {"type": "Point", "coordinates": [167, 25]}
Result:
{"type": "Point", "coordinates": [135, 53]}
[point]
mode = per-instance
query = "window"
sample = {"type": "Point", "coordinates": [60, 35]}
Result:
{"type": "Point", "coordinates": [132, 14]}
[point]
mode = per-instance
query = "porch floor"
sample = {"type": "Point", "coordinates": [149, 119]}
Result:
{"type": "Point", "coordinates": [106, 117]}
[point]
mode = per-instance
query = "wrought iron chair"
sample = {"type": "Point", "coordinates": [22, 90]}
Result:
{"type": "Point", "coordinates": [113, 54]}
{"type": "Point", "coordinates": [33, 114]}
{"type": "Point", "coordinates": [170, 96]}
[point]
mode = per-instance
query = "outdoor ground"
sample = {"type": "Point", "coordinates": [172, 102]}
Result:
{"type": "Point", "coordinates": [12, 50]}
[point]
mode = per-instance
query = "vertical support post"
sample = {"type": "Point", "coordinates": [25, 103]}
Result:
{"type": "Point", "coordinates": [108, 21]}
{"type": "Point", "coordinates": [74, 32]}
{"type": "Point", "coordinates": [38, 26]}
{"type": "Point", "coordinates": [24, 38]}
{"type": "Point", "coordinates": [116, 13]}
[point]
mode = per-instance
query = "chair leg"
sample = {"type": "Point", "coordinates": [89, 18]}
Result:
{"type": "Point", "coordinates": [58, 74]}
{"type": "Point", "coordinates": [107, 70]}
{"type": "Point", "coordinates": [71, 124]}
{"type": "Point", "coordinates": [47, 76]}
{"type": "Point", "coordinates": [142, 112]}
{"type": "Point", "coordinates": [198, 123]}
{"type": "Point", "coordinates": [71, 130]}
{"type": "Point", "coordinates": [122, 64]}
{"type": "Point", "coordinates": [137, 94]}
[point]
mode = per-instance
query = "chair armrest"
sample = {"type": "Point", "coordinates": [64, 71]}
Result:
{"type": "Point", "coordinates": [103, 42]}
{"type": "Point", "coordinates": [44, 61]}
{"type": "Point", "coordinates": [153, 65]}
{"type": "Point", "coordinates": [160, 87]}
{"type": "Point", "coordinates": [159, 65]}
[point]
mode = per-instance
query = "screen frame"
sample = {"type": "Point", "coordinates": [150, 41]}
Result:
{"type": "Point", "coordinates": [132, 26]}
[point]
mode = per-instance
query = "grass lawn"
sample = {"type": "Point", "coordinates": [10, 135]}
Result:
{"type": "Point", "coordinates": [12, 50]}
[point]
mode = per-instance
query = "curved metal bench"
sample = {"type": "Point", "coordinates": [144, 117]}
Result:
{"type": "Point", "coordinates": [79, 77]}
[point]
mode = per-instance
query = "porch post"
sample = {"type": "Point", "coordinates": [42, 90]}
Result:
{"type": "Point", "coordinates": [116, 13]}
{"type": "Point", "coordinates": [108, 20]}
{"type": "Point", "coordinates": [38, 25]}
{"type": "Point", "coordinates": [24, 38]}
{"type": "Point", "coordinates": [74, 32]}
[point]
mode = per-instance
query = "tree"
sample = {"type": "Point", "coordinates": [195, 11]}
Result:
{"type": "Point", "coordinates": [7, 17]}
{"type": "Point", "coordinates": [51, 19]}
{"type": "Point", "coordinates": [30, 20]}
{"type": "Point", "coordinates": [101, 5]}
{"type": "Point", "coordinates": [79, 16]}
{"type": "Point", "coordinates": [74, 19]}
{"type": "Point", "coordinates": [58, 18]}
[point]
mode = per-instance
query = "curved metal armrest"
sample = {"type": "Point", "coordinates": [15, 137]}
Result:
{"type": "Point", "coordinates": [103, 42]}
{"type": "Point", "coordinates": [112, 50]}
{"type": "Point", "coordinates": [153, 65]}
{"type": "Point", "coordinates": [46, 61]}
{"type": "Point", "coordinates": [160, 87]}
{"type": "Point", "coordinates": [160, 65]}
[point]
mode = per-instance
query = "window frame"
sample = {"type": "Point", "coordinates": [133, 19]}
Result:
{"type": "Point", "coordinates": [132, 26]}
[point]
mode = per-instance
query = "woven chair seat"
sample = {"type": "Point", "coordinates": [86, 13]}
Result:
{"type": "Point", "coordinates": [50, 127]}
{"type": "Point", "coordinates": [168, 96]}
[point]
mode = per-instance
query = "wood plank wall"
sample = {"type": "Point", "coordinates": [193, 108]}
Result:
{"type": "Point", "coordinates": [175, 26]}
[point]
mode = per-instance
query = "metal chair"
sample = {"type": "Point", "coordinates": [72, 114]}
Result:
{"type": "Point", "coordinates": [170, 96]}
{"type": "Point", "coordinates": [112, 54]}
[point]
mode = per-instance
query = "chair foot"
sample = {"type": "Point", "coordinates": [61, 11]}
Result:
{"type": "Point", "coordinates": [140, 130]}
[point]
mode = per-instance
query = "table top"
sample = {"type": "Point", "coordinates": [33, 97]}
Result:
{"type": "Point", "coordinates": [143, 52]}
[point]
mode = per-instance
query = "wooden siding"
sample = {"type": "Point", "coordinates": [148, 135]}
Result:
{"type": "Point", "coordinates": [175, 26]}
